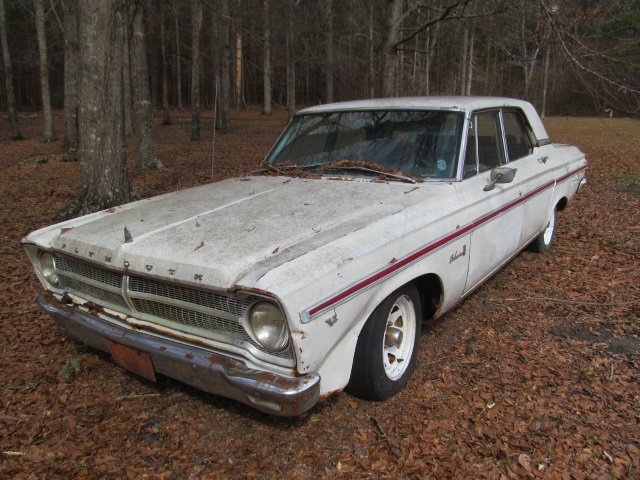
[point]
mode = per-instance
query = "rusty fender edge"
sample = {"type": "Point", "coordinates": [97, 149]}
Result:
{"type": "Point", "coordinates": [201, 368]}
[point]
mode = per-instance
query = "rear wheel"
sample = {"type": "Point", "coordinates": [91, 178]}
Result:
{"type": "Point", "coordinates": [387, 347]}
{"type": "Point", "coordinates": [542, 242]}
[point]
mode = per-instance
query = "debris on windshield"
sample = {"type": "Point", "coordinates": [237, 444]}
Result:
{"type": "Point", "coordinates": [287, 169]}
{"type": "Point", "coordinates": [305, 171]}
{"type": "Point", "coordinates": [362, 165]}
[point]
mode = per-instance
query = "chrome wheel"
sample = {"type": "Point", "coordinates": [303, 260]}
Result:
{"type": "Point", "coordinates": [548, 232]}
{"type": "Point", "coordinates": [387, 348]}
{"type": "Point", "coordinates": [399, 338]}
{"type": "Point", "coordinates": [543, 241]}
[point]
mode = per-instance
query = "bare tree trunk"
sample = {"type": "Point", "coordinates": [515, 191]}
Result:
{"type": "Point", "coordinates": [104, 181]}
{"type": "Point", "coordinates": [196, 27]}
{"type": "Point", "coordinates": [390, 59]}
{"type": "Point", "coordinates": [432, 43]}
{"type": "Point", "coordinates": [178, 59]}
{"type": "Point", "coordinates": [141, 96]}
{"type": "Point", "coordinates": [545, 81]}
{"type": "Point", "coordinates": [128, 94]}
{"type": "Point", "coordinates": [47, 117]}
{"type": "Point", "coordinates": [166, 118]}
{"type": "Point", "coordinates": [470, 61]}
{"type": "Point", "coordinates": [329, 60]}
{"type": "Point", "coordinates": [291, 64]}
{"type": "Point", "coordinates": [463, 64]}
{"type": "Point", "coordinates": [224, 105]}
{"type": "Point", "coordinates": [427, 66]}
{"type": "Point", "coordinates": [8, 77]}
{"type": "Point", "coordinates": [266, 60]}
{"type": "Point", "coordinates": [71, 74]}
{"type": "Point", "coordinates": [529, 67]}
{"type": "Point", "coordinates": [372, 59]}
{"type": "Point", "coordinates": [238, 74]}
{"type": "Point", "coordinates": [217, 62]}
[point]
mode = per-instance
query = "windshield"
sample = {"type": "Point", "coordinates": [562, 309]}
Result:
{"type": "Point", "coordinates": [422, 144]}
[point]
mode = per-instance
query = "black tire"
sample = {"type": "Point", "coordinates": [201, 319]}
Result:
{"type": "Point", "coordinates": [543, 241]}
{"type": "Point", "coordinates": [393, 327]}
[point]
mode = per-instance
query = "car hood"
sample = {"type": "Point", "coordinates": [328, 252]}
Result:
{"type": "Point", "coordinates": [217, 234]}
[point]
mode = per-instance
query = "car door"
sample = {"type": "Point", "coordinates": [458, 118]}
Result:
{"type": "Point", "coordinates": [496, 216]}
{"type": "Point", "coordinates": [535, 176]}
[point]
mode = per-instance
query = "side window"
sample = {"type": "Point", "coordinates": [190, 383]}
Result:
{"type": "Point", "coordinates": [518, 140]}
{"type": "Point", "coordinates": [471, 155]}
{"type": "Point", "coordinates": [489, 139]}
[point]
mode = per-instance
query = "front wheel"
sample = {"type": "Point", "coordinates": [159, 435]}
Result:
{"type": "Point", "coordinates": [387, 348]}
{"type": "Point", "coordinates": [542, 242]}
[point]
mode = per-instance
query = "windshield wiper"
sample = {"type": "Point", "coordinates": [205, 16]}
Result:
{"type": "Point", "coordinates": [371, 170]}
{"type": "Point", "coordinates": [284, 168]}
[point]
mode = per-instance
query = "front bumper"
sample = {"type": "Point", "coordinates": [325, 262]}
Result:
{"type": "Point", "coordinates": [201, 368]}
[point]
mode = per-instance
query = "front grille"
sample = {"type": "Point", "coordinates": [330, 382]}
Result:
{"type": "Point", "coordinates": [73, 284]}
{"type": "Point", "coordinates": [96, 274]}
{"type": "Point", "coordinates": [188, 317]}
{"type": "Point", "coordinates": [197, 312]}
{"type": "Point", "coordinates": [189, 295]}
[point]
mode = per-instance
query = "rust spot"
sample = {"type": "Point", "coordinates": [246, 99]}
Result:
{"type": "Point", "coordinates": [276, 250]}
{"type": "Point", "coordinates": [65, 230]}
{"type": "Point", "coordinates": [254, 290]}
{"type": "Point", "coordinates": [229, 363]}
{"type": "Point", "coordinates": [303, 335]}
{"type": "Point", "coordinates": [162, 349]}
{"type": "Point", "coordinates": [188, 356]}
{"type": "Point", "coordinates": [199, 246]}
{"type": "Point", "coordinates": [198, 224]}
{"type": "Point", "coordinates": [110, 210]}
{"type": "Point", "coordinates": [272, 379]}
{"type": "Point", "coordinates": [393, 260]}
{"type": "Point", "coordinates": [325, 396]}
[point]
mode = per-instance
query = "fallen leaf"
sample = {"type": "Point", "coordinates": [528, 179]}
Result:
{"type": "Point", "coordinates": [525, 461]}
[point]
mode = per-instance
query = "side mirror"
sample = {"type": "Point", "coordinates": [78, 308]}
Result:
{"type": "Point", "coordinates": [500, 175]}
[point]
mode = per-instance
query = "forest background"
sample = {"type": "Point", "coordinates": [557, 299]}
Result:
{"type": "Point", "coordinates": [110, 64]}
{"type": "Point", "coordinates": [570, 57]}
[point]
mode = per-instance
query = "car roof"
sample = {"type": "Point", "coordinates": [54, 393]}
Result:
{"type": "Point", "coordinates": [453, 103]}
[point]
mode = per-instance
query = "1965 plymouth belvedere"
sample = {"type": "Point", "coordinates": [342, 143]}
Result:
{"type": "Point", "coordinates": [313, 274]}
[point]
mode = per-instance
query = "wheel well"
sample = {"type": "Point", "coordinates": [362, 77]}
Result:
{"type": "Point", "coordinates": [562, 204]}
{"type": "Point", "coordinates": [431, 293]}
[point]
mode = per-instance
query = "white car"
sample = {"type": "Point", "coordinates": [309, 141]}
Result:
{"type": "Point", "coordinates": [313, 274]}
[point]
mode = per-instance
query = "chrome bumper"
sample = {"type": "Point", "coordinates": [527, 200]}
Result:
{"type": "Point", "coordinates": [206, 370]}
{"type": "Point", "coordinates": [582, 184]}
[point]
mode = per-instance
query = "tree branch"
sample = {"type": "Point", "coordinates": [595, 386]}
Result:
{"type": "Point", "coordinates": [559, 35]}
{"type": "Point", "coordinates": [441, 18]}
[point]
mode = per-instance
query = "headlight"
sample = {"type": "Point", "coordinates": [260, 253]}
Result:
{"type": "Point", "coordinates": [269, 326]}
{"type": "Point", "coordinates": [47, 268]}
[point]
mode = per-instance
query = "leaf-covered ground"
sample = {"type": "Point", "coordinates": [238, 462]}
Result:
{"type": "Point", "coordinates": [535, 375]}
